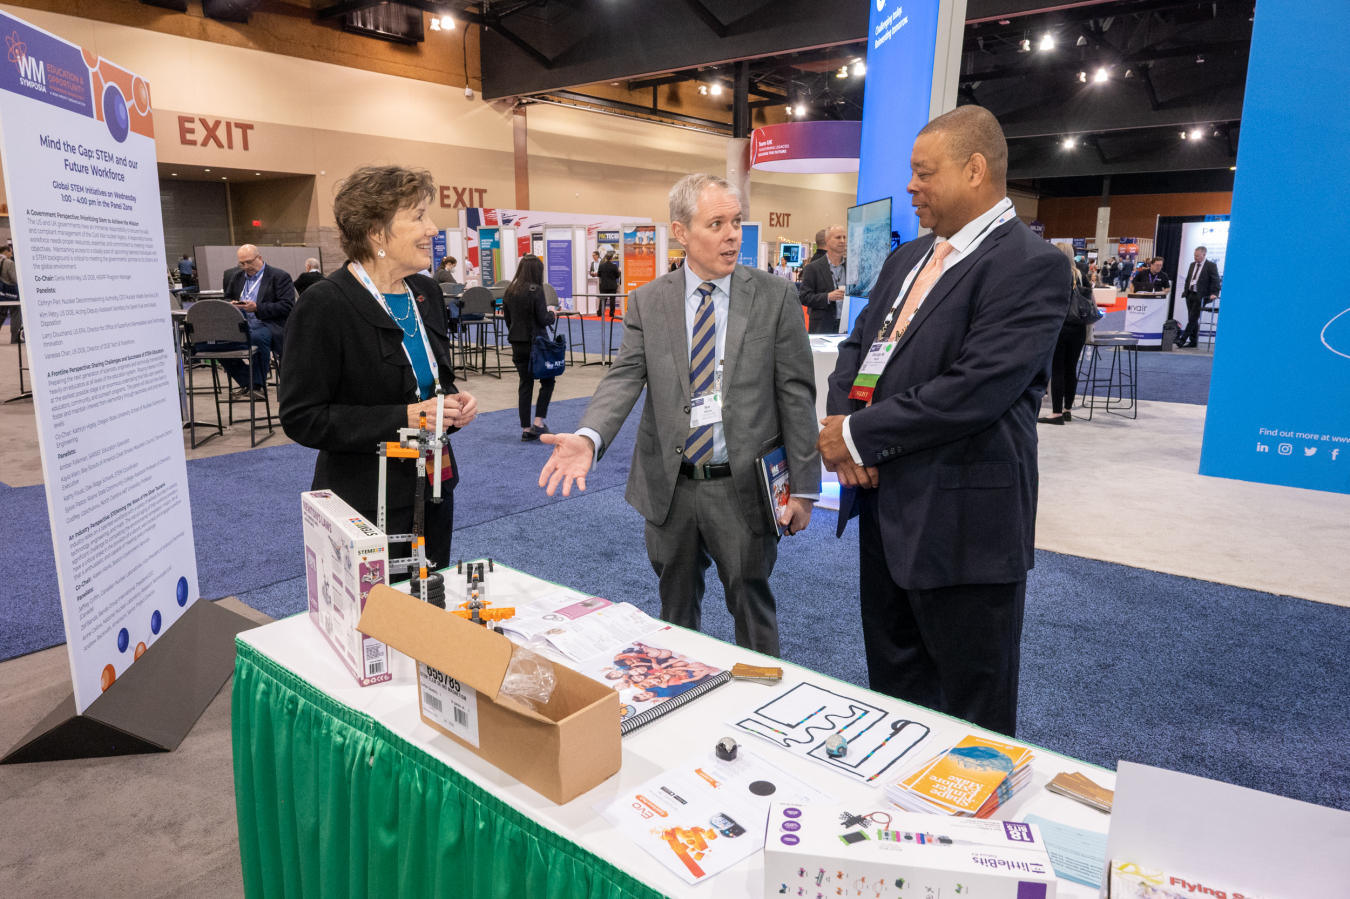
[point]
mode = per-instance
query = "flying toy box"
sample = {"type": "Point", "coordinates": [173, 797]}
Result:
{"type": "Point", "coordinates": [345, 556]}
{"type": "Point", "coordinates": [817, 850]}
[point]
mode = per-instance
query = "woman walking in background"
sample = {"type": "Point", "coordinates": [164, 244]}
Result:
{"type": "Point", "coordinates": [525, 308]}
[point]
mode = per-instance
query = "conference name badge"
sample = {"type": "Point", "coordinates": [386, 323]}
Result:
{"type": "Point", "coordinates": [705, 410]}
{"type": "Point", "coordinates": [447, 469]}
{"type": "Point", "coordinates": [873, 365]}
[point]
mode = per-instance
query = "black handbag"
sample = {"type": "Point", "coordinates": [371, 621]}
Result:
{"type": "Point", "coordinates": [548, 356]}
{"type": "Point", "coordinates": [1082, 308]}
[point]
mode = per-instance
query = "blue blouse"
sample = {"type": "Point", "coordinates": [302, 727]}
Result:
{"type": "Point", "coordinates": [400, 304]}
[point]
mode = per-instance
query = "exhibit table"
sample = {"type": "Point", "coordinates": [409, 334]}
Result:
{"type": "Point", "coordinates": [343, 791]}
{"type": "Point", "coordinates": [824, 357]}
{"type": "Point", "coordinates": [1144, 317]}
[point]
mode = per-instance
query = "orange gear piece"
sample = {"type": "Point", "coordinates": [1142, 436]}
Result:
{"type": "Point", "coordinates": [486, 614]}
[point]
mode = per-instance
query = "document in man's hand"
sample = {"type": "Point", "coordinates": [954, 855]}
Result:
{"type": "Point", "coordinates": [773, 470]}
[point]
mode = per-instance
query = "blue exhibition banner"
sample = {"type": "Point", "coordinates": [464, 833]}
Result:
{"type": "Point", "coordinates": [900, 49]}
{"type": "Point", "coordinates": [749, 246]}
{"type": "Point", "coordinates": [1279, 397]}
{"type": "Point", "coordinates": [558, 255]}
{"type": "Point", "coordinates": [438, 250]}
{"type": "Point", "coordinates": [489, 255]}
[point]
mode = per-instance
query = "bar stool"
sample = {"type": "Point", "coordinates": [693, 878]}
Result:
{"type": "Point", "coordinates": [1122, 375]}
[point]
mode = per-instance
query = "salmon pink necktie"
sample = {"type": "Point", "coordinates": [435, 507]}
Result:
{"type": "Point", "coordinates": [931, 272]}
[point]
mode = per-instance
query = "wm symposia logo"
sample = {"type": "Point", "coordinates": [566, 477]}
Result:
{"type": "Point", "coordinates": [32, 73]}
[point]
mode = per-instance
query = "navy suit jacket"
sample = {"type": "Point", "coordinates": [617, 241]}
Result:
{"type": "Point", "coordinates": [275, 299]}
{"type": "Point", "coordinates": [952, 426]}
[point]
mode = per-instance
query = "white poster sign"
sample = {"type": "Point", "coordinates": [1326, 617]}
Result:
{"type": "Point", "coordinates": [77, 136]}
{"type": "Point", "coordinates": [1213, 236]}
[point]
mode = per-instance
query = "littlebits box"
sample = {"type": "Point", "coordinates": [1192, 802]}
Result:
{"type": "Point", "coordinates": [345, 556]}
{"type": "Point", "coordinates": [820, 851]}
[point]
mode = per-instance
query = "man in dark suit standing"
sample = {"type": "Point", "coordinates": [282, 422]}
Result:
{"type": "Point", "coordinates": [1202, 286]}
{"type": "Point", "coordinates": [724, 359]}
{"type": "Point", "coordinates": [266, 296]}
{"type": "Point", "coordinates": [822, 284]}
{"type": "Point", "coordinates": [932, 429]}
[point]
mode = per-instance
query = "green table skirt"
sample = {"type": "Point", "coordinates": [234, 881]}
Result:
{"type": "Point", "coordinates": [332, 804]}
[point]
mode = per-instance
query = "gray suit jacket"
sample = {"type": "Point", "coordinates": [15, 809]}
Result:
{"type": "Point", "coordinates": [768, 391]}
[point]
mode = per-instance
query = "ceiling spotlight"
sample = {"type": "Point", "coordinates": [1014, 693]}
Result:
{"type": "Point", "coordinates": [1082, 76]}
{"type": "Point", "coordinates": [716, 90]}
{"type": "Point", "coordinates": [800, 110]}
{"type": "Point", "coordinates": [206, 170]}
{"type": "Point", "coordinates": [1047, 42]}
{"type": "Point", "coordinates": [859, 69]}
{"type": "Point", "coordinates": [435, 24]}
{"type": "Point", "coordinates": [1129, 73]}
{"type": "Point", "coordinates": [842, 73]}
{"type": "Point", "coordinates": [1068, 143]}
{"type": "Point", "coordinates": [1082, 41]}
{"type": "Point", "coordinates": [1232, 168]}
{"type": "Point", "coordinates": [175, 174]}
{"type": "Point", "coordinates": [1024, 46]}
{"type": "Point", "coordinates": [1005, 21]}
{"type": "Point", "coordinates": [447, 23]}
{"type": "Point", "coordinates": [703, 89]}
{"type": "Point", "coordinates": [1100, 76]}
{"type": "Point", "coordinates": [1184, 135]}
{"type": "Point", "coordinates": [1195, 135]}
{"type": "Point", "coordinates": [1200, 59]}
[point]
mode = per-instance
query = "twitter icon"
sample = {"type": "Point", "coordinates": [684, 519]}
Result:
{"type": "Point", "coordinates": [1310, 451]}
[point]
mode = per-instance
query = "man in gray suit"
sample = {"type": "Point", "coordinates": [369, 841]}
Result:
{"type": "Point", "coordinates": [723, 354]}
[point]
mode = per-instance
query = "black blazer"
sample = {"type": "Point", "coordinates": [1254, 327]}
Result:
{"type": "Point", "coordinates": [275, 299]}
{"type": "Point", "coordinates": [1208, 284]}
{"type": "Point", "coordinates": [526, 315]}
{"type": "Point", "coordinates": [306, 281]}
{"type": "Point", "coordinates": [608, 273]}
{"type": "Point", "coordinates": [346, 385]}
{"type": "Point", "coordinates": [952, 426]}
{"type": "Point", "coordinates": [814, 292]}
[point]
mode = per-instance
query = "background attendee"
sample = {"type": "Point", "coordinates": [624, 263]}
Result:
{"type": "Point", "coordinates": [696, 480]}
{"type": "Point", "coordinates": [1150, 278]}
{"type": "Point", "coordinates": [367, 348]}
{"type": "Point", "coordinates": [781, 269]}
{"type": "Point", "coordinates": [309, 277]}
{"type": "Point", "coordinates": [822, 280]}
{"type": "Point", "coordinates": [525, 307]}
{"type": "Point", "coordinates": [445, 272]}
{"type": "Point", "coordinates": [945, 449]}
{"type": "Point", "coordinates": [1201, 287]}
{"type": "Point", "coordinates": [608, 273]}
{"type": "Point", "coordinates": [187, 271]}
{"type": "Point", "coordinates": [594, 270]}
{"type": "Point", "coordinates": [266, 296]}
{"type": "Point", "coordinates": [821, 237]}
{"type": "Point", "coordinates": [9, 276]}
{"type": "Point", "coordinates": [1064, 365]}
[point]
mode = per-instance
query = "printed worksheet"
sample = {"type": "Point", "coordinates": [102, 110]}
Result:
{"type": "Point", "coordinates": [581, 628]}
{"type": "Point", "coordinates": [706, 815]}
{"type": "Point", "coordinates": [879, 743]}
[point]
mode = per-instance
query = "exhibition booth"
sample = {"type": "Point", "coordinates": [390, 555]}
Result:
{"type": "Point", "coordinates": [488, 731]}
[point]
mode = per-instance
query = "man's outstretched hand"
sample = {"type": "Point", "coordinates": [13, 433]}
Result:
{"type": "Point", "coordinates": [571, 460]}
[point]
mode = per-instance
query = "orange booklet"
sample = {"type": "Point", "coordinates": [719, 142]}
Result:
{"type": "Point", "coordinates": [974, 777]}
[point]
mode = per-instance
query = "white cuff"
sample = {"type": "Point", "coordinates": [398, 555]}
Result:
{"type": "Point", "coordinates": [596, 441]}
{"type": "Point", "coordinates": [848, 441]}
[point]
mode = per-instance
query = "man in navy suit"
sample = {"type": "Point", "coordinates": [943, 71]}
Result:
{"type": "Point", "coordinates": [266, 296]}
{"type": "Point", "coordinates": [932, 429]}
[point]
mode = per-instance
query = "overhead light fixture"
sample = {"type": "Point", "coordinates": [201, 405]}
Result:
{"type": "Point", "coordinates": [1047, 42]}
{"type": "Point", "coordinates": [1184, 135]}
{"type": "Point", "coordinates": [257, 173]}
{"type": "Point", "coordinates": [435, 24]}
{"type": "Point", "coordinates": [1232, 168]}
{"type": "Point", "coordinates": [800, 110]}
{"type": "Point", "coordinates": [447, 23]}
{"type": "Point", "coordinates": [1081, 42]}
{"type": "Point", "coordinates": [1199, 59]}
{"type": "Point", "coordinates": [703, 89]}
{"type": "Point", "coordinates": [716, 90]}
{"type": "Point", "coordinates": [1068, 143]}
{"type": "Point", "coordinates": [175, 174]}
{"type": "Point", "coordinates": [1082, 76]}
{"type": "Point", "coordinates": [1100, 76]}
{"type": "Point", "coordinates": [1129, 73]}
{"type": "Point", "coordinates": [1005, 21]}
{"type": "Point", "coordinates": [1195, 135]}
{"type": "Point", "coordinates": [206, 170]}
{"type": "Point", "coordinates": [1024, 46]}
{"type": "Point", "coordinates": [842, 73]}
{"type": "Point", "coordinates": [859, 69]}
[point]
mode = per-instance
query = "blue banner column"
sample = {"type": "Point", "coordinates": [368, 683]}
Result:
{"type": "Point", "coordinates": [1279, 401]}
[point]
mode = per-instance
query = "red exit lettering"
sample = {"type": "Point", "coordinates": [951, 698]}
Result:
{"type": "Point", "coordinates": [212, 132]}
{"type": "Point", "coordinates": [780, 219]}
{"type": "Point", "coordinates": [463, 197]}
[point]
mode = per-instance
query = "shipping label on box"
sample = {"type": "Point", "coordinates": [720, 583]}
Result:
{"type": "Point", "coordinates": [448, 704]}
{"type": "Point", "coordinates": [818, 851]}
{"type": "Point", "coordinates": [345, 556]}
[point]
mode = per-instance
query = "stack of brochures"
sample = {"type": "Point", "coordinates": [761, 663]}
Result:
{"type": "Point", "coordinates": [972, 779]}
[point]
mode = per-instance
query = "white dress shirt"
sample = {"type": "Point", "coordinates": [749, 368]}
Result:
{"type": "Point", "coordinates": [964, 242]}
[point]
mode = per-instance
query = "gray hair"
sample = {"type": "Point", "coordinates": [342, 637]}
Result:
{"type": "Point", "coordinates": [686, 193]}
{"type": "Point", "coordinates": [311, 265]}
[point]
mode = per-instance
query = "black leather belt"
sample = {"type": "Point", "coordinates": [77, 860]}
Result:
{"type": "Point", "coordinates": [705, 472]}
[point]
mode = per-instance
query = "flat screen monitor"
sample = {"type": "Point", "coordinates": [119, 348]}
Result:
{"type": "Point", "coordinates": [792, 253]}
{"type": "Point", "coordinates": [869, 243]}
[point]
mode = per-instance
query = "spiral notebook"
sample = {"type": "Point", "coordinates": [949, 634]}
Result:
{"type": "Point", "coordinates": [652, 681]}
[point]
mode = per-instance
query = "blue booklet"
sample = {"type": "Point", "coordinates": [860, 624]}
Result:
{"type": "Point", "coordinates": [773, 470]}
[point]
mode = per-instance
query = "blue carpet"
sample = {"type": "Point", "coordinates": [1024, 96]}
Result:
{"type": "Point", "coordinates": [1118, 662]}
{"type": "Point", "coordinates": [1165, 377]}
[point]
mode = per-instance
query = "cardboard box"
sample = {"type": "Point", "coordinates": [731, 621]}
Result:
{"type": "Point", "coordinates": [345, 556]}
{"type": "Point", "coordinates": [810, 850]}
{"type": "Point", "coordinates": [561, 751]}
{"type": "Point", "coordinates": [1130, 881]}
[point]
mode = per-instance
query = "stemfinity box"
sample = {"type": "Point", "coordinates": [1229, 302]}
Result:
{"type": "Point", "coordinates": [818, 851]}
{"type": "Point", "coordinates": [345, 556]}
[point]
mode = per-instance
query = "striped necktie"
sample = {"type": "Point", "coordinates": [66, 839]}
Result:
{"type": "Point", "coordinates": [702, 361]}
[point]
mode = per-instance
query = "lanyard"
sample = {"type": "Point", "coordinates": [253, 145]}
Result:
{"type": "Point", "coordinates": [417, 318]}
{"type": "Point", "coordinates": [251, 287]}
{"type": "Point", "coordinates": [914, 272]}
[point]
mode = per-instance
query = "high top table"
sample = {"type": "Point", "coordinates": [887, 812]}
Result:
{"type": "Point", "coordinates": [341, 790]}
